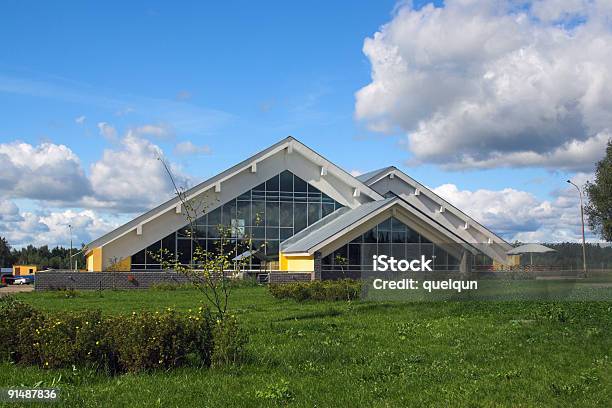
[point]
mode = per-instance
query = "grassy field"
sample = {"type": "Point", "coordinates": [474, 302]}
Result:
{"type": "Point", "coordinates": [330, 354]}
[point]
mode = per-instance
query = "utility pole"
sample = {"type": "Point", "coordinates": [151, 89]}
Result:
{"type": "Point", "coordinates": [584, 268]}
{"type": "Point", "coordinates": [70, 259]}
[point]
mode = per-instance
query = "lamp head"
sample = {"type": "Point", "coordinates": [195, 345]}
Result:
{"type": "Point", "coordinates": [568, 181]}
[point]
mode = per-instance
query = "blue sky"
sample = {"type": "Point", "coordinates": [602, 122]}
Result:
{"type": "Point", "coordinates": [231, 78]}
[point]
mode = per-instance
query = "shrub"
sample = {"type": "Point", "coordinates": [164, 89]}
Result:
{"type": "Point", "coordinates": [229, 343]}
{"type": "Point", "coordinates": [63, 340]}
{"type": "Point", "coordinates": [345, 289]}
{"type": "Point", "coordinates": [146, 341]}
{"type": "Point", "coordinates": [124, 343]}
{"type": "Point", "coordinates": [12, 312]}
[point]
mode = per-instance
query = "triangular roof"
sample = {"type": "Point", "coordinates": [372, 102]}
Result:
{"type": "Point", "coordinates": [319, 234]}
{"type": "Point", "coordinates": [377, 175]}
{"type": "Point", "coordinates": [365, 177]}
{"type": "Point", "coordinates": [245, 165]}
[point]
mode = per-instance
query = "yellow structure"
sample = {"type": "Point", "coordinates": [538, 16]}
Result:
{"type": "Point", "coordinates": [19, 270]}
{"type": "Point", "coordinates": [511, 261]}
{"type": "Point", "coordinates": [296, 262]}
{"type": "Point", "coordinates": [122, 265]}
{"type": "Point", "coordinates": [94, 260]}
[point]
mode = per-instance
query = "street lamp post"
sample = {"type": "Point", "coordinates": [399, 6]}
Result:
{"type": "Point", "coordinates": [584, 268]}
{"type": "Point", "coordinates": [70, 259]}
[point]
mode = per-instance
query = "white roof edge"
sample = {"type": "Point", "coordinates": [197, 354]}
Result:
{"type": "Point", "coordinates": [406, 206]}
{"type": "Point", "coordinates": [399, 201]}
{"type": "Point", "coordinates": [439, 200]}
{"type": "Point", "coordinates": [227, 174]}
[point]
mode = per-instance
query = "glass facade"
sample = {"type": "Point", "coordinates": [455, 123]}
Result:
{"type": "Point", "coordinates": [392, 238]}
{"type": "Point", "coordinates": [269, 213]}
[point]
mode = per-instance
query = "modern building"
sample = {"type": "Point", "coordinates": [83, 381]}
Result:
{"type": "Point", "coordinates": [302, 213]}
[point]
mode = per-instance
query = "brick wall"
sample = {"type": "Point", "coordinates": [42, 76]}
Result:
{"type": "Point", "coordinates": [287, 277]}
{"type": "Point", "coordinates": [131, 280]}
{"type": "Point", "coordinates": [104, 280]}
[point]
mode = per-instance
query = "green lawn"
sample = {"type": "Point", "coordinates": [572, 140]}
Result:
{"type": "Point", "coordinates": [371, 354]}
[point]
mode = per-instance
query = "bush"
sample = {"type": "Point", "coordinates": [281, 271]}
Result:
{"type": "Point", "coordinates": [345, 289]}
{"type": "Point", "coordinates": [229, 343]}
{"type": "Point", "coordinates": [12, 312]}
{"type": "Point", "coordinates": [147, 341]}
{"type": "Point", "coordinates": [63, 340]}
{"type": "Point", "coordinates": [124, 343]}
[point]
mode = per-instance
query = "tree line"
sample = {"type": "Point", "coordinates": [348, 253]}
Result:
{"type": "Point", "coordinates": [569, 254]}
{"type": "Point", "coordinates": [42, 257]}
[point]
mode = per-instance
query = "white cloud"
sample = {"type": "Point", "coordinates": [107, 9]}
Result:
{"type": "Point", "coordinates": [356, 173]}
{"type": "Point", "coordinates": [130, 178]}
{"type": "Point", "coordinates": [107, 131]}
{"type": "Point", "coordinates": [80, 120]}
{"type": "Point", "coordinates": [519, 215]}
{"type": "Point", "coordinates": [160, 131]}
{"type": "Point", "coordinates": [127, 178]}
{"type": "Point", "coordinates": [482, 83]}
{"type": "Point", "coordinates": [44, 172]}
{"type": "Point", "coordinates": [188, 148]}
{"type": "Point", "coordinates": [51, 227]}
{"type": "Point", "coordinates": [9, 211]}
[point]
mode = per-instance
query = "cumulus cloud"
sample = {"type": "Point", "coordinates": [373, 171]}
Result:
{"type": "Point", "coordinates": [51, 227]}
{"type": "Point", "coordinates": [130, 178]}
{"type": "Point", "coordinates": [127, 178]}
{"type": "Point", "coordinates": [9, 211]}
{"type": "Point", "coordinates": [480, 83]}
{"type": "Point", "coordinates": [44, 172]}
{"type": "Point", "coordinates": [520, 216]}
{"type": "Point", "coordinates": [80, 120]}
{"type": "Point", "coordinates": [188, 148]}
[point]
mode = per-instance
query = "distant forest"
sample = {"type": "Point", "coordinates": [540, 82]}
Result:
{"type": "Point", "coordinates": [42, 257]}
{"type": "Point", "coordinates": [567, 254]}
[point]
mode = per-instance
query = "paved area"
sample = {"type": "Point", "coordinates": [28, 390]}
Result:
{"type": "Point", "coordinates": [15, 289]}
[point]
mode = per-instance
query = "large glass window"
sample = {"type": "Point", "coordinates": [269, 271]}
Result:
{"type": "Point", "coordinates": [393, 238]}
{"type": "Point", "coordinates": [271, 212]}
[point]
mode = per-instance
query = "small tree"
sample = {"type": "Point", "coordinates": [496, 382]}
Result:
{"type": "Point", "coordinates": [343, 263]}
{"type": "Point", "coordinates": [599, 193]}
{"type": "Point", "coordinates": [5, 253]}
{"type": "Point", "coordinates": [210, 271]}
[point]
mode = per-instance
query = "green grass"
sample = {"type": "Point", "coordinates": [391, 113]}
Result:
{"type": "Point", "coordinates": [380, 354]}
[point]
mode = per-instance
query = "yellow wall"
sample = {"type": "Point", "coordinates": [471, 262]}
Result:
{"type": "Point", "coordinates": [124, 265]}
{"type": "Point", "coordinates": [296, 263]}
{"type": "Point", "coordinates": [24, 270]}
{"type": "Point", "coordinates": [511, 260]}
{"type": "Point", "coordinates": [94, 260]}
